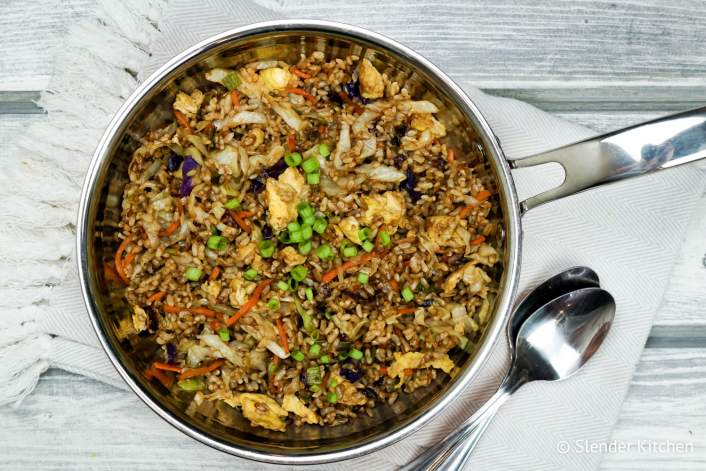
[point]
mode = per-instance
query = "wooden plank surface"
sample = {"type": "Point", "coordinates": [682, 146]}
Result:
{"type": "Point", "coordinates": [603, 64]}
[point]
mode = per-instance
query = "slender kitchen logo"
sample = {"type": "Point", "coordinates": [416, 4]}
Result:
{"type": "Point", "coordinates": [656, 447]}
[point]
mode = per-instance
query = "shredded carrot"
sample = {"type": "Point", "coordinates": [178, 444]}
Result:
{"type": "Point", "coordinates": [193, 372]}
{"type": "Point", "coordinates": [207, 130]}
{"type": "Point", "coordinates": [465, 211]}
{"type": "Point", "coordinates": [322, 129]}
{"type": "Point", "coordinates": [283, 335]}
{"type": "Point", "coordinates": [168, 308]}
{"type": "Point", "coordinates": [291, 143]}
{"type": "Point", "coordinates": [300, 74]}
{"type": "Point", "coordinates": [182, 120]}
{"type": "Point", "coordinates": [250, 303]}
{"type": "Point", "coordinates": [204, 311]}
{"type": "Point", "coordinates": [451, 155]}
{"type": "Point", "coordinates": [407, 310]}
{"type": "Point", "coordinates": [110, 274]}
{"type": "Point", "coordinates": [158, 296]}
{"type": "Point", "coordinates": [383, 370]}
{"type": "Point", "coordinates": [478, 240]}
{"type": "Point", "coordinates": [119, 259]}
{"type": "Point", "coordinates": [482, 195]}
{"type": "Point", "coordinates": [169, 230]}
{"type": "Point", "coordinates": [166, 379]}
{"type": "Point", "coordinates": [298, 91]}
{"type": "Point", "coordinates": [128, 259]}
{"type": "Point", "coordinates": [215, 324]}
{"type": "Point", "coordinates": [394, 285]}
{"type": "Point", "coordinates": [352, 263]}
{"type": "Point", "coordinates": [166, 367]}
{"type": "Point", "coordinates": [408, 371]}
{"type": "Point", "coordinates": [214, 273]}
{"type": "Point", "coordinates": [239, 218]}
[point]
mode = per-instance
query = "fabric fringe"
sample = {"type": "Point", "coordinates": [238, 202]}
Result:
{"type": "Point", "coordinates": [95, 71]}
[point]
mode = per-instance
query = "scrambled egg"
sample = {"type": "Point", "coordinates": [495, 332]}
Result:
{"type": "Point", "coordinates": [140, 319]}
{"type": "Point", "coordinates": [389, 206]}
{"type": "Point", "coordinates": [260, 409]}
{"type": "Point", "coordinates": [472, 275]}
{"type": "Point", "coordinates": [188, 104]}
{"type": "Point", "coordinates": [447, 231]}
{"type": "Point", "coordinates": [292, 403]}
{"type": "Point", "coordinates": [349, 226]}
{"type": "Point", "coordinates": [371, 83]}
{"type": "Point", "coordinates": [283, 195]}
{"type": "Point", "coordinates": [422, 122]}
{"type": "Point", "coordinates": [240, 290]}
{"type": "Point", "coordinates": [212, 288]}
{"type": "Point", "coordinates": [275, 78]}
{"type": "Point", "coordinates": [291, 257]}
{"type": "Point", "coordinates": [348, 394]}
{"type": "Point", "coordinates": [415, 360]}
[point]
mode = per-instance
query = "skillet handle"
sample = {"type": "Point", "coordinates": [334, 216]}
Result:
{"type": "Point", "coordinates": [644, 148]}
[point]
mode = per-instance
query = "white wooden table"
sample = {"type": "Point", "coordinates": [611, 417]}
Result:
{"type": "Point", "coordinates": [603, 64]}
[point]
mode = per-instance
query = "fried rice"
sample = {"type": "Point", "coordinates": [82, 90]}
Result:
{"type": "Point", "coordinates": [302, 243]}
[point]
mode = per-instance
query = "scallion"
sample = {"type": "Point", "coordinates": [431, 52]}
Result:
{"type": "Point", "coordinates": [319, 225]}
{"type": "Point", "coordinates": [232, 203]}
{"type": "Point", "coordinates": [231, 81]}
{"type": "Point", "coordinates": [297, 355]}
{"type": "Point", "coordinates": [299, 272]}
{"type": "Point", "coordinates": [304, 247]}
{"type": "Point", "coordinates": [310, 165]}
{"type": "Point", "coordinates": [384, 238]}
{"type": "Point", "coordinates": [250, 274]}
{"type": "Point", "coordinates": [193, 274]}
{"type": "Point", "coordinates": [283, 286]}
{"type": "Point", "coordinates": [295, 237]}
{"type": "Point", "coordinates": [332, 397]}
{"type": "Point", "coordinates": [224, 334]}
{"type": "Point", "coordinates": [308, 220]}
{"type": "Point", "coordinates": [324, 252]}
{"type": "Point", "coordinates": [314, 350]}
{"type": "Point", "coordinates": [368, 246]}
{"type": "Point", "coordinates": [266, 247]}
{"type": "Point", "coordinates": [216, 242]}
{"type": "Point", "coordinates": [307, 233]}
{"type": "Point", "coordinates": [191, 384]}
{"type": "Point", "coordinates": [407, 294]}
{"type": "Point", "coordinates": [293, 159]}
{"type": "Point", "coordinates": [348, 250]}
{"type": "Point", "coordinates": [324, 150]}
{"type": "Point", "coordinates": [325, 359]}
{"type": "Point", "coordinates": [293, 227]}
{"type": "Point", "coordinates": [355, 354]}
{"type": "Point", "coordinates": [364, 233]}
{"type": "Point", "coordinates": [363, 278]}
{"type": "Point", "coordinates": [313, 375]}
{"type": "Point", "coordinates": [313, 178]}
{"type": "Point", "coordinates": [273, 303]}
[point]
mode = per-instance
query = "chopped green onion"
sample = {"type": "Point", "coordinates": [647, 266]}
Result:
{"type": "Point", "coordinates": [327, 314]}
{"type": "Point", "coordinates": [299, 272]}
{"type": "Point", "coordinates": [314, 350]}
{"type": "Point", "coordinates": [297, 355]}
{"type": "Point", "coordinates": [324, 252]}
{"type": "Point", "coordinates": [267, 248]}
{"type": "Point", "coordinates": [191, 384]}
{"type": "Point", "coordinates": [325, 359]}
{"type": "Point", "coordinates": [355, 354]}
{"type": "Point", "coordinates": [342, 356]}
{"type": "Point", "coordinates": [332, 383]}
{"type": "Point", "coordinates": [365, 233]}
{"type": "Point", "coordinates": [307, 233]}
{"type": "Point", "coordinates": [250, 274]}
{"type": "Point", "coordinates": [293, 159]}
{"type": "Point", "coordinates": [296, 237]}
{"type": "Point", "coordinates": [284, 237]}
{"type": "Point", "coordinates": [293, 284]}
{"type": "Point", "coordinates": [363, 278]}
{"type": "Point", "coordinates": [272, 368]}
{"type": "Point", "coordinates": [332, 397]}
{"type": "Point", "coordinates": [304, 209]}
{"type": "Point", "coordinates": [310, 165]}
{"type": "Point", "coordinates": [232, 203]}
{"type": "Point", "coordinates": [384, 238]}
{"type": "Point", "coordinates": [283, 286]}
{"type": "Point", "coordinates": [313, 375]}
{"type": "Point", "coordinates": [231, 81]}
{"type": "Point", "coordinates": [313, 178]}
{"type": "Point", "coordinates": [273, 303]}
{"type": "Point", "coordinates": [293, 227]}
{"type": "Point", "coordinates": [307, 319]}
{"type": "Point", "coordinates": [462, 342]}
{"type": "Point", "coordinates": [324, 150]}
{"type": "Point", "coordinates": [216, 242]}
{"type": "Point", "coordinates": [309, 294]}
{"type": "Point", "coordinates": [224, 334]}
{"type": "Point", "coordinates": [368, 246]}
{"type": "Point", "coordinates": [308, 220]}
{"type": "Point", "coordinates": [215, 231]}
{"type": "Point", "coordinates": [193, 274]}
{"type": "Point", "coordinates": [407, 294]}
{"type": "Point", "coordinates": [348, 250]}
{"type": "Point", "coordinates": [305, 247]}
{"type": "Point", "coordinates": [319, 225]}
{"type": "Point", "coordinates": [314, 388]}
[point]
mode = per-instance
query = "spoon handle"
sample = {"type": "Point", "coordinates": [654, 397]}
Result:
{"type": "Point", "coordinates": [433, 458]}
{"type": "Point", "coordinates": [459, 456]}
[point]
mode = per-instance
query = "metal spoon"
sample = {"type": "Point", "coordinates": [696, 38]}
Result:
{"type": "Point", "coordinates": [552, 344]}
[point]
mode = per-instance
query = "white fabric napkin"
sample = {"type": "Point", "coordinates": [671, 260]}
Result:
{"type": "Point", "coordinates": [629, 232]}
